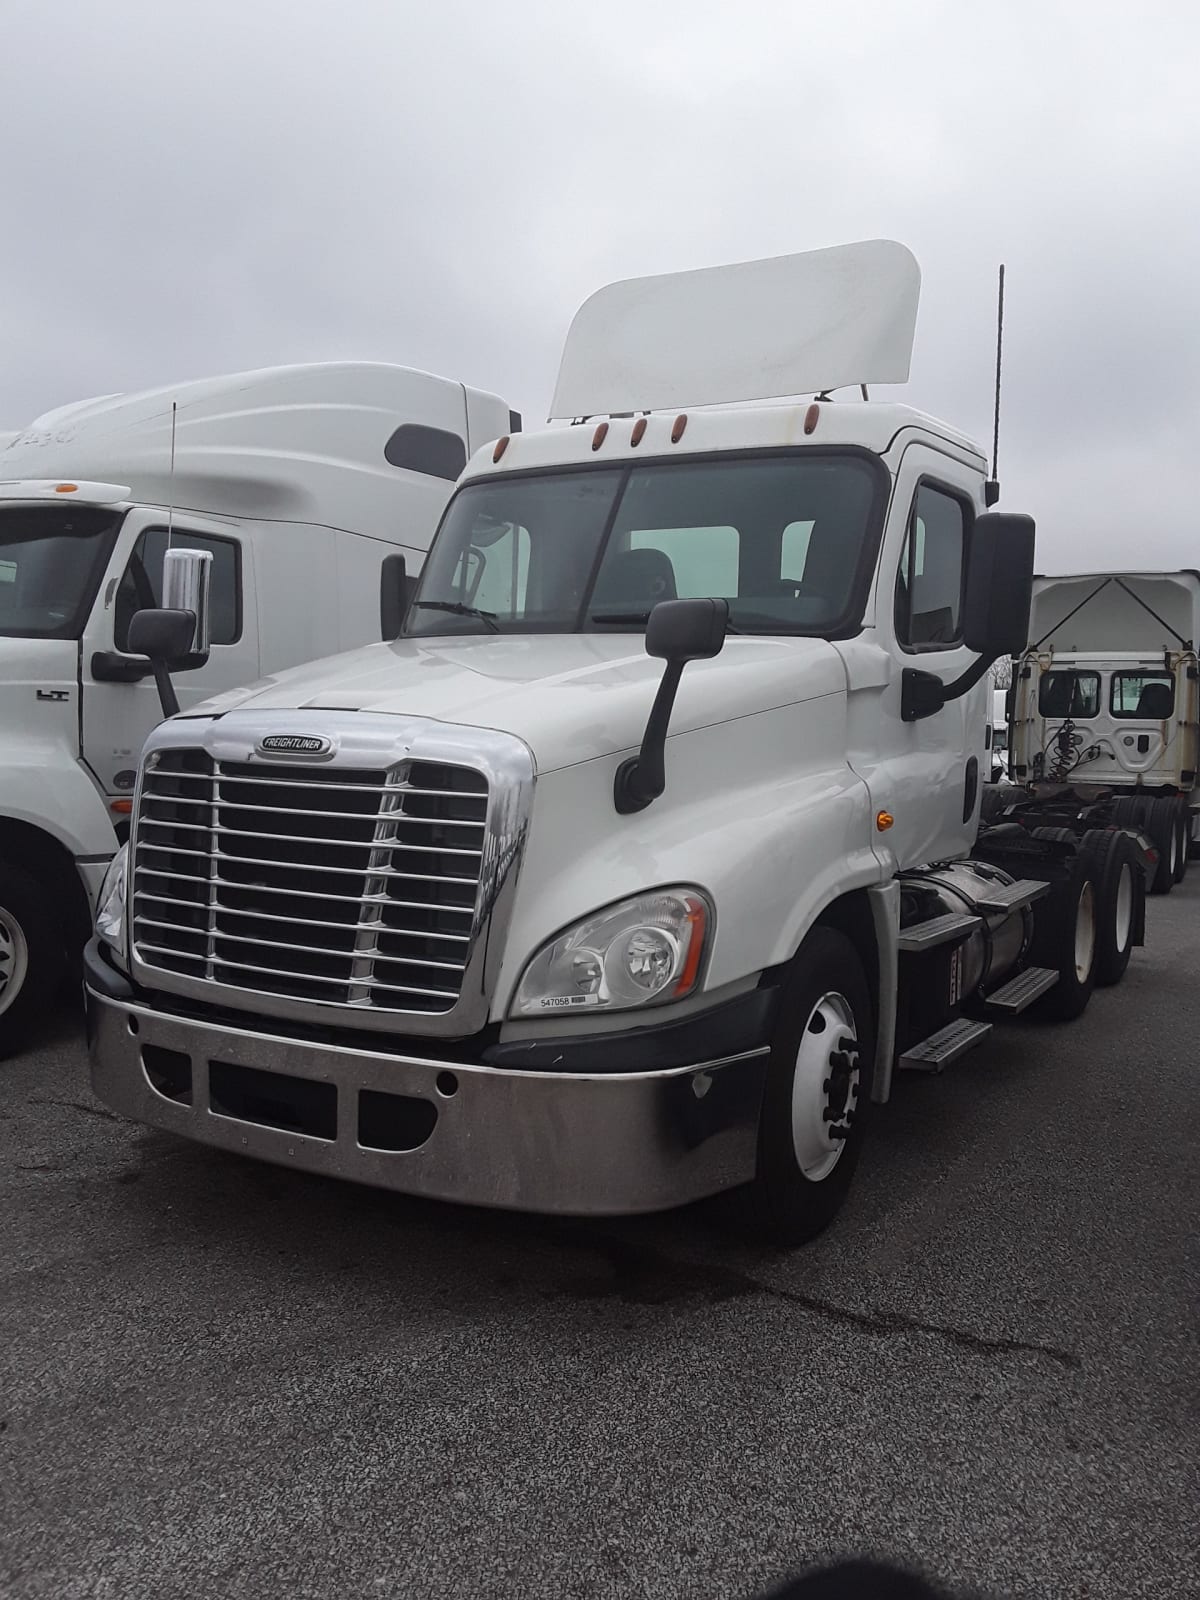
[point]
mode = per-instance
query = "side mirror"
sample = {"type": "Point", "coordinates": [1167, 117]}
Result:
{"type": "Point", "coordinates": [175, 635]}
{"type": "Point", "coordinates": [999, 585]}
{"type": "Point", "coordinates": [395, 593]}
{"type": "Point", "coordinates": [996, 606]}
{"type": "Point", "coordinates": [677, 631]}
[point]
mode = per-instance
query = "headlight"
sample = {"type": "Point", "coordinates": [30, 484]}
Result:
{"type": "Point", "coordinates": [110, 917]}
{"type": "Point", "coordinates": [640, 952]}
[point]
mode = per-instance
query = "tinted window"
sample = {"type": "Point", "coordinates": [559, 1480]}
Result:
{"type": "Point", "coordinates": [141, 583]}
{"type": "Point", "coordinates": [51, 558]}
{"type": "Point", "coordinates": [433, 451]}
{"type": "Point", "coordinates": [930, 582]}
{"type": "Point", "coordinates": [1069, 694]}
{"type": "Point", "coordinates": [1148, 695]}
{"type": "Point", "coordinates": [782, 538]}
{"type": "Point", "coordinates": [704, 560]}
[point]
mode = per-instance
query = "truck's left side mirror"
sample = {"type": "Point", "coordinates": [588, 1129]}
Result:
{"type": "Point", "coordinates": [175, 635]}
{"type": "Point", "coordinates": [999, 585]}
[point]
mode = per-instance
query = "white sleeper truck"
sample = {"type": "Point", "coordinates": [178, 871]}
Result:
{"type": "Point", "coordinates": [1106, 706]}
{"type": "Point", "coordinates": [637, 864]}
{"type": "Point", "coordinates": [306, 486]}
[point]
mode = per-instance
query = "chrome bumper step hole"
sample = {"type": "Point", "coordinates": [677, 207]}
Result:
{"type": "Point", "coordinates": [169, 1071]}
{"type": "Point", "coordinates": [394, 1121]}
{"type": "Point", "coordinates": [273, 1100]}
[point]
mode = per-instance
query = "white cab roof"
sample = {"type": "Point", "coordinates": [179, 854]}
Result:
{"type": "Point", "coordinates": [871, 425]}
{"type": "Point", "coordinates": [1114, 612]}
{"type": "Point", "coordinates": [757, 330]}
{"type": "Point", "coordinates": [298, 444]}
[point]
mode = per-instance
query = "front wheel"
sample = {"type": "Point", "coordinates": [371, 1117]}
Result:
{"type": "Point", "coordinates": [818, 1090]}
{"type": "Point", "coordinates": [31, 957]}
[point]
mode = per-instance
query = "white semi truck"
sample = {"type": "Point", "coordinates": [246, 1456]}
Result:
{"type": "Point", "coordinates": [299, 482]}
{"type": "Point", "coordinates": [1106, 706]}
{"type": "Point", "coordinates": [633, 869]}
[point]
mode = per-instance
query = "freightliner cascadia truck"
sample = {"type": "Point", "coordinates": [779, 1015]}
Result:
{"type": "Point", "coordinates": [649, 851]}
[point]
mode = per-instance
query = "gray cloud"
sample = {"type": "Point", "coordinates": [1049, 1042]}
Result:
{"type": "Point", "coordinates": [206, 186]}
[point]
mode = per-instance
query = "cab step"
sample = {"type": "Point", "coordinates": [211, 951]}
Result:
{"type": "Point", "coordinates": [937, 930]}
{"type": "Point", "coordinates": [1019, 993]}
{"type": "Point", "coordinates": [945, 1046]}
{"type": "Point", "coordinates": [1010, 896]}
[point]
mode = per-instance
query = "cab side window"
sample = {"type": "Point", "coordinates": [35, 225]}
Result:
{"type": "Point", "coordinates": [141, 583]}
{"type": "Point", "coordinates": [929, 585]}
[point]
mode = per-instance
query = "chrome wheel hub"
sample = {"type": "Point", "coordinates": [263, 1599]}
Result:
{"type": "Point", "coordinates": [825, 1086]}
{"type": "Point", "coordinates": [14, 959]}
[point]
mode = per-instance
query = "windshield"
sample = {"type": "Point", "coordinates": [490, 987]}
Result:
{"type": "Point", "coordinates": [786, 539]}
{"type": "Point", "coordinates": [51, 559]}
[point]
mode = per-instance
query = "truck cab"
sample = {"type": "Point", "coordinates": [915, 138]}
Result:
{"type": "Point", "coordinates": [633, 868]}
{"type": "Point", "coordinates": [1107, 695]}
{"type": "Point", "coordinates": [296, 481]}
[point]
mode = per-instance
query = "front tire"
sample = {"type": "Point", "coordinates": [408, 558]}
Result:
{"type": "Point", "coordinates": [818, 1090]}
{"type": "Point", "coordinates": [31, 957]}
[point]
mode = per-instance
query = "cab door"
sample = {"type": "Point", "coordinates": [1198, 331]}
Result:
{"type": "Point", "coordinates": [120, 703]}
{"type": "Point", "coordinates": [925, 774]}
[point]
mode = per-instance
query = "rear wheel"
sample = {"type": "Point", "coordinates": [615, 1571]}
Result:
{"type": "Point", "coordinates": [31, 957]}
{"type": "Point", "coordinates": [1183, 822]}
{"type": "Point", "coordinates": [1162, 824]}
{"type": "Point", "coordinates": [1120, 889]}
{"type": "Point", "coordinates": [1065, 939]}
{"type": "Point", "coordinates": [818, 1089]}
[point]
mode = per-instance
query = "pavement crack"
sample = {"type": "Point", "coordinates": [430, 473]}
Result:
{"type": "Point", "coordinates": [644, 1277]}
{"type": "Point", "coordinates": [76, 1105]}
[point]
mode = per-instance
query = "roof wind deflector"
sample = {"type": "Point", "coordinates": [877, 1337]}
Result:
{"type": "Point", "coordinates": [757, 330]}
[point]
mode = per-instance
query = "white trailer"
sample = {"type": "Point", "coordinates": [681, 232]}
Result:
{"type": "Point", "coordinates": [633, 869]}
{"type": "Point", "coordinates": [298, 481]}
{"type": "Point", "coordinates": [1106, 702]}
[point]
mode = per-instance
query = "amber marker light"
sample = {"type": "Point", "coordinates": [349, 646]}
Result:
{"type": "Point", "coordinates": [697, 923]}
{"type": "Point", "coordinates": [66, 488]}
{"type": "Point", "coordinates": [123, 807]}
{"type": "Point", "coordinates": [884, 820]}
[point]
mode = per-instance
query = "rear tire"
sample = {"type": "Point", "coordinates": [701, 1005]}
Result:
{"type": "Point", "coordinates": [31, 957]}
{"type": "Point", "coordinates": [1184, 826]}
{"type": "Point", "coordinates": [1120, 891]}
{"type": "Point", "coordinates": [818, 1081]}
{"type": "Point", "coordinates": [1162, 824]}
{"type": "Point", "coordinates": [1064, 939]}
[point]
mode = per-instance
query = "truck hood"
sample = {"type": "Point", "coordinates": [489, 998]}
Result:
{"type": "Point", "coordinates": [569, 697]}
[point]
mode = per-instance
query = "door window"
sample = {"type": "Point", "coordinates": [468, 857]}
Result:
{"type": "Point", "coordinates": [930, 582]}
{"type": "Point", "coordinates": [141, 584]}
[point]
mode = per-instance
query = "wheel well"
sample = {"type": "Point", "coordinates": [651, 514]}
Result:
{"type": "Point", "coordinates": [43, 858]}
{"type": "Point", "coordinates": [851, 915]}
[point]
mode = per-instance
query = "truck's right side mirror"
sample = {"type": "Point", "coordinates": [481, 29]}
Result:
{"type": "Point", "coordinates": [395, 592]}
{"type": "Point", "coordinates": [175, 635]}
{"type": "Point", "coordinates": [999, 585]}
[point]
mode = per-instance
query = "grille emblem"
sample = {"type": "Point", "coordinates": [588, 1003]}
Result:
{"type": "Point", "coordinates": [295, 744]}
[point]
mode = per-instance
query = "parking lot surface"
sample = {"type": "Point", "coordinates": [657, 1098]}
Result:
{"type": "Point", "coordinates": [222, 1379]}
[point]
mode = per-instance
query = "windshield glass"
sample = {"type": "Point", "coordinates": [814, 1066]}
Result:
{"type": "Point", "coordinates": [783, 538]}
{"type": "Point", "coordinates": [51, 559]}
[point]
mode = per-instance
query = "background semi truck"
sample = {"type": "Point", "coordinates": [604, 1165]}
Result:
{"type": "Point", "coordinates": [299, 482]}
{"type": "Point", "coordinates": [634, 868]}
{"type": "Point", "coordinates": [1106, 706]}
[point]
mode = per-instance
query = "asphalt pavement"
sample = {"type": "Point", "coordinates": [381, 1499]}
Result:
{"type": "Point", "coordinates": [222, 1379]}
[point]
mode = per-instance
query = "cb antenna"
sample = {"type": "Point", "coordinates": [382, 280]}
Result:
{"type": "Point", "coordinates": [991, 489]}
{"type": "Point", "coordinates": [171, 478]}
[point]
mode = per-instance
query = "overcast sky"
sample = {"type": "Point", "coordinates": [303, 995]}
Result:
{"type": "Point", "coordinates": [196, 186]}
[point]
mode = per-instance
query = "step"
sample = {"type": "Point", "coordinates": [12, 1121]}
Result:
{"type": "Point", "coordinates": [1020, 992]}
{"type": "Point", "coordinates": [1010, 896]}
{"type": "Point", "coordinates": [945, 1046]}
{"type": "Point", "coordinates": [938, 930]}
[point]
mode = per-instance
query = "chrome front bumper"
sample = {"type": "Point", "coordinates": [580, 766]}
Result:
{"type": "Point", "coordinates": [530, 1141]}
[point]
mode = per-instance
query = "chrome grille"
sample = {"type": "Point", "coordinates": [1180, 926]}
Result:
{"type": "Point", "coordinates": [351, 886]}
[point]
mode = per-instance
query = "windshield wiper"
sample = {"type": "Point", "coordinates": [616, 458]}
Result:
{"type": "Point", "coordinates": [637, 619]}
{"type": "Point", "coordinates": [456, 608]}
